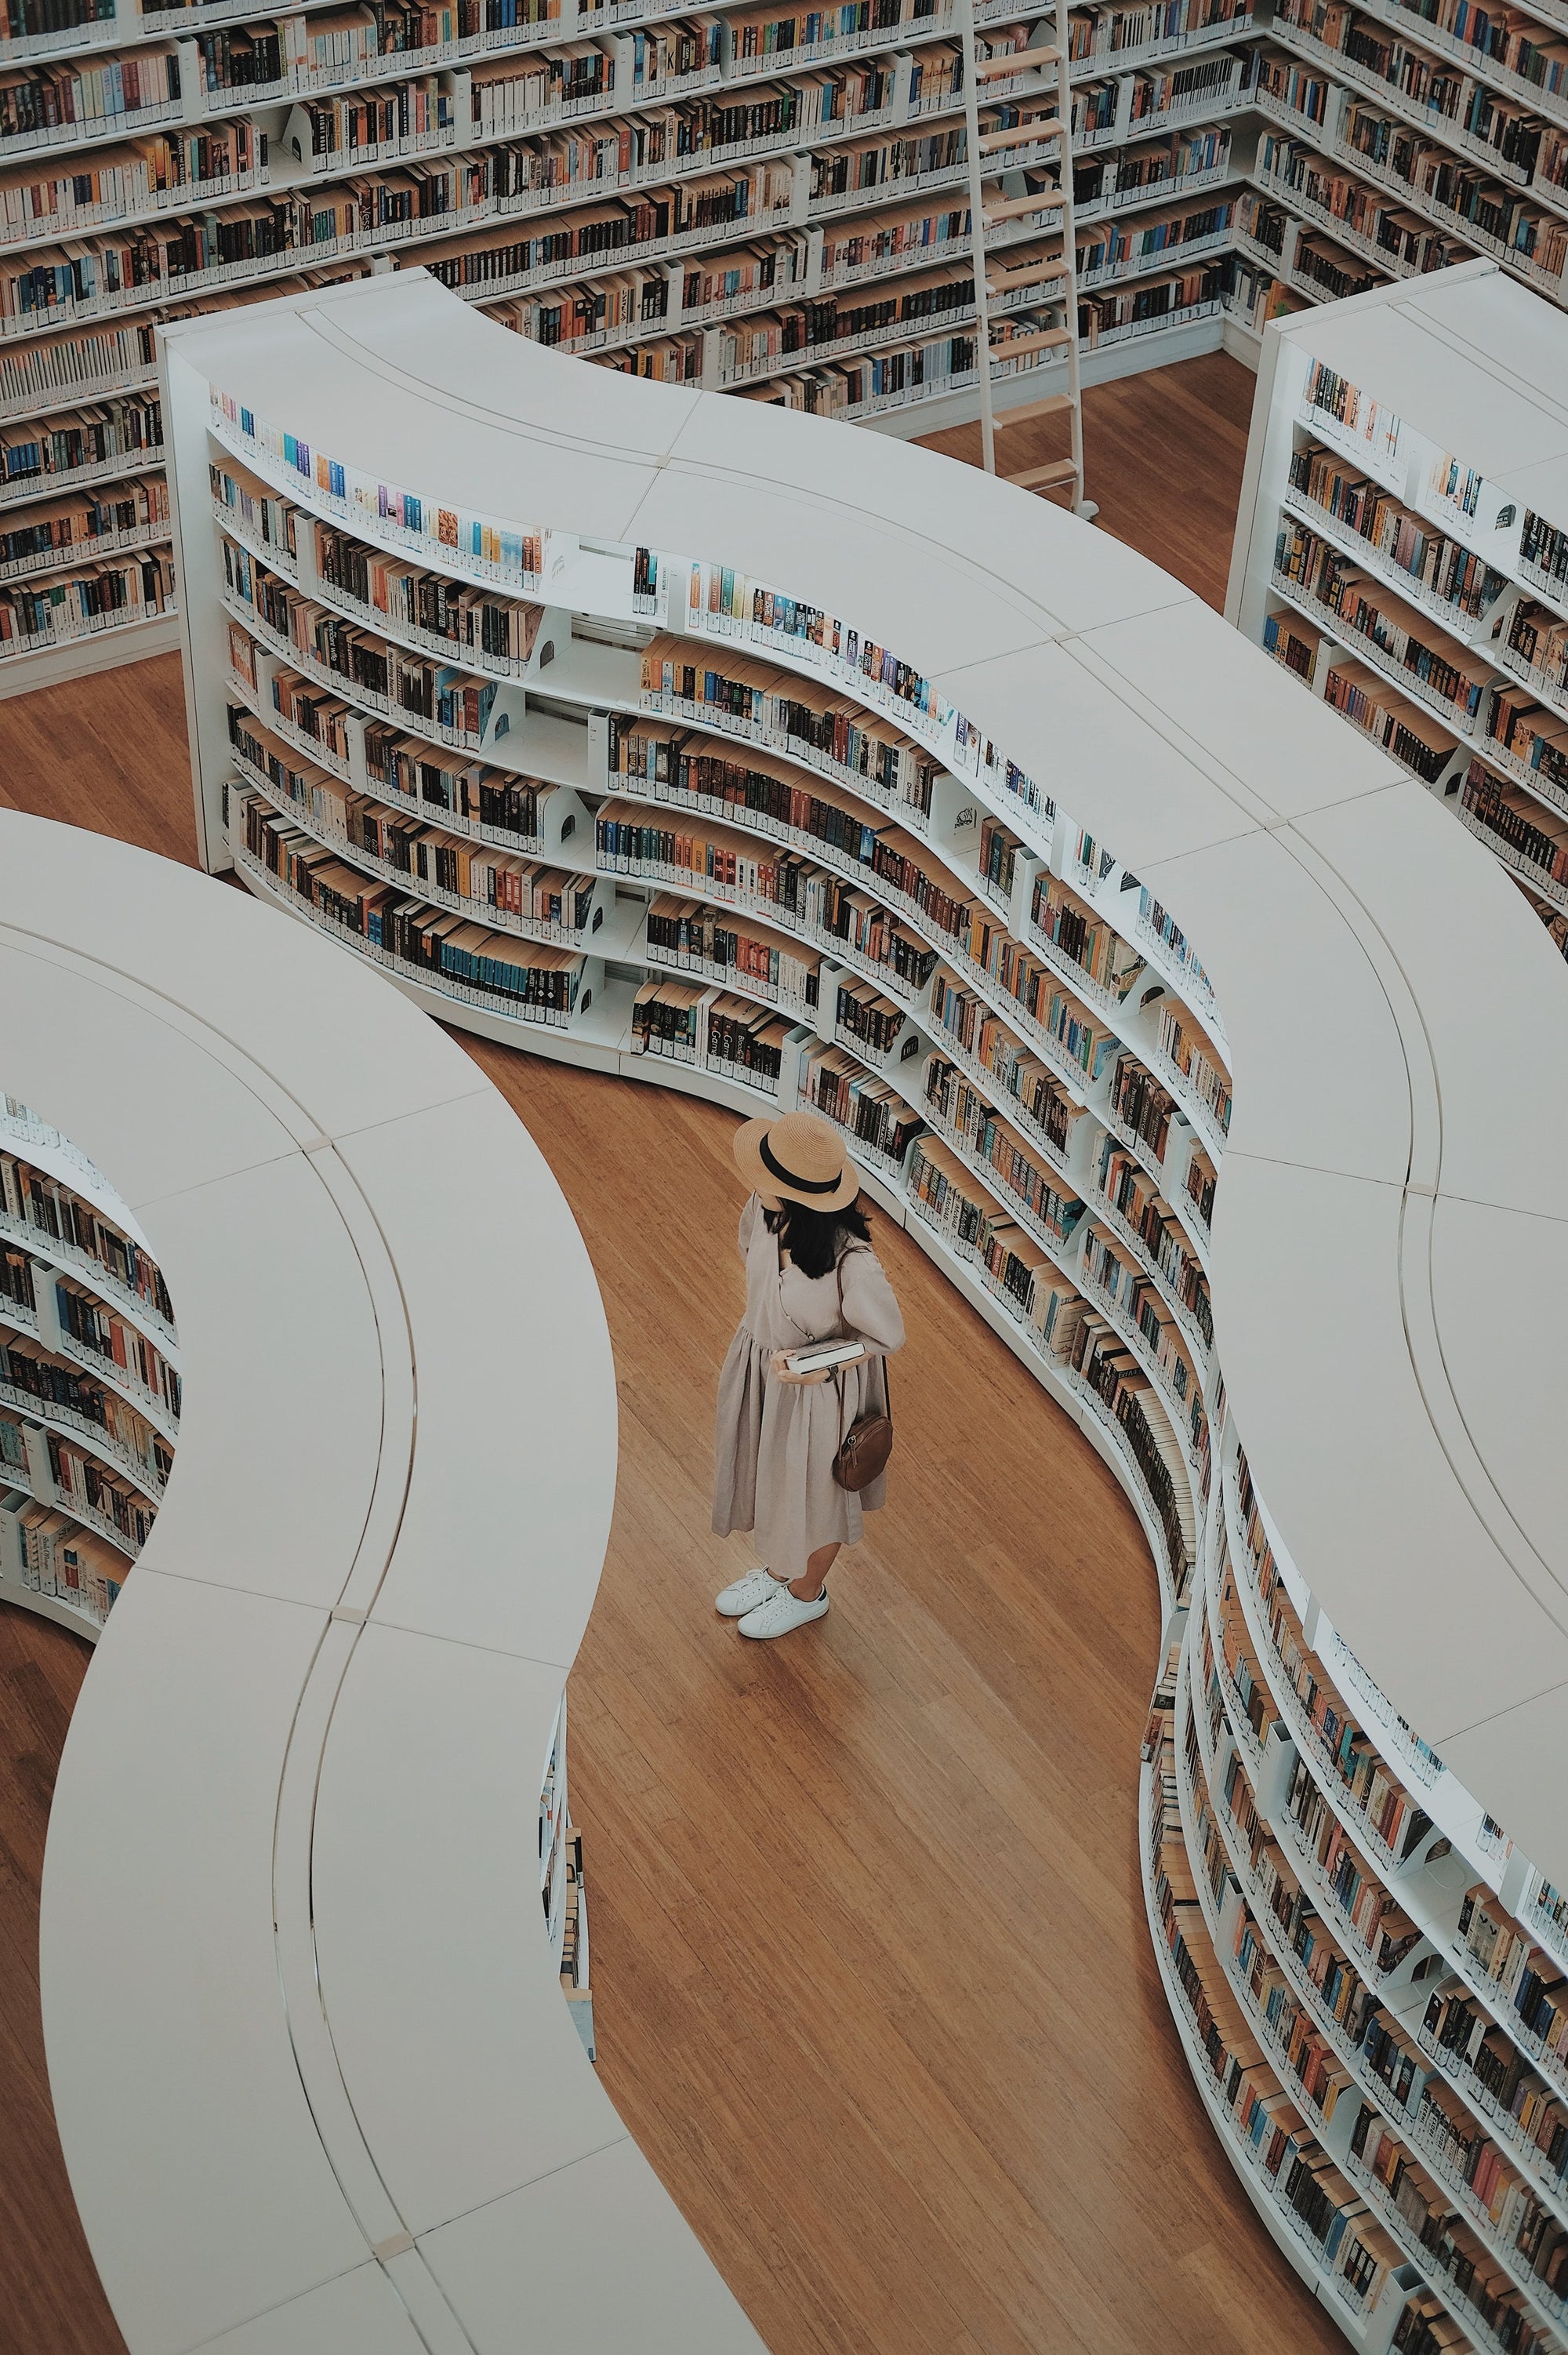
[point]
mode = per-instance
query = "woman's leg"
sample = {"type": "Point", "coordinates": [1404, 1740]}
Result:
{"type": "Point", "coordinates": [807, 1589]}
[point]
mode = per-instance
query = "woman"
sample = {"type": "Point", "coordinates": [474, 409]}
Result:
{"type": "Point", "coordinates": [810, 1276]}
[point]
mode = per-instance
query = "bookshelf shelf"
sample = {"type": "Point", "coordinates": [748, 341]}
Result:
{"type": "Point", "coordinates": [628, 505]}
{"type": "Point", "coordinates": [1493, 401]}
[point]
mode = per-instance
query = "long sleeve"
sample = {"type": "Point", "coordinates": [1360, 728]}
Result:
{"type": "Point", "coordinates": [871, 1313]}
{"type": "Point", "coordinates": [748, 1217]}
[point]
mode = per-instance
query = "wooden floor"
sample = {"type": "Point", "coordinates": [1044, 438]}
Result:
{"type": "Point", "coordinates": [873, 1985]}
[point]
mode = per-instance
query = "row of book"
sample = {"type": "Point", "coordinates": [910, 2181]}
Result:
{"type": "Point", "coordinates": [453, 702]}
{"type": "Point", "coordinates": [553, 902]}
{"type": "Point", "coordinates": [130, 588]}
{"type": "Point", "coordinates": [46, 198]}
{"type": "Point", "coordinates": [1519, 144]}
{"type": "Point", "coordinates": [1378, 221]}
{"type": "Point", "coordinates": [1447, 671]}
{"type": "Point", "coordinates": [59, 530]}
{"type": "Point", "coordinates": [445, 614]}
{"type": "Point", "coordinates": [1411, 731]}
{"type": "Point", "coordinates": [97, 1328]}
{"type": "Point", "coordinates": [62, 1389]}
{"type": "Point", "coordinates": [696, 1024]}
{"type": "Point", "coordinates": [464, 796]}
{"type": "Point", "coordinates": [1414, 205]}
{"type": "Point", "coordinates": [1415, 68]}
{"type": "Point", "coordinates": [782, 708]}
{"type": "Point", "coordinates": [38, 451]}
{"type": "Point", "coordinates": [44, 1551]}
{"type": "Point", "coordinates": [1516, 825]}
{"type": "Point", "coordinates": [1450, 573]}
{"type": "Point", "coordinates": [34, 1199]}
{"type": "Point", "coordinates": [692, 938]}
{"type": "Point", "coordinates": [526, 980]}
{"type": "Point", "coordinates": [1057, 1320]}
{"type": "Point", "coordinates": [447, 30]}
{"type": "Point", "coordinates": [1126, 1185]}
{"type": "Point", "coordinates": [1538, 638]}
{"type": "Point", "coordinates": [1145, 171]}
{"type": "Point", "coordinates": [87, 94]}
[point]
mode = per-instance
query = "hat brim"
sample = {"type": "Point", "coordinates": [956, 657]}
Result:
{"type": "Point", "coordinates": [748, 1139]}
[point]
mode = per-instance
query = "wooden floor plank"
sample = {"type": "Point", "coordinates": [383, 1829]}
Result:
{"type": "Point", "coordinates": [1162, 458]}
{"type": "Point", "coordinates": [873, 1985]}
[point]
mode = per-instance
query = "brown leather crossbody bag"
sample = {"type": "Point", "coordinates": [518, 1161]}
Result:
{"type": "Point", "coordinates": [865, 1448]}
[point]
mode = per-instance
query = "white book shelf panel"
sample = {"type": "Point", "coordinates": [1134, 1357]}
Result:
{"type": "Point", "coordinates": [775, 494]}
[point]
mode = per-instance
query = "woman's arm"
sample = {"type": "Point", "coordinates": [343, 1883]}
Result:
{"type": "Point", "coordinates": [871, 1313]}
{"type": "Point", "coordinates": [748, 1217]}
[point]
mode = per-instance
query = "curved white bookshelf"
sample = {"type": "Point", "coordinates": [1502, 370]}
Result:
{"type": "Point", "coordinates": [341, 2100]}
{"type": "Point", "coordinates": [1352, 1336]}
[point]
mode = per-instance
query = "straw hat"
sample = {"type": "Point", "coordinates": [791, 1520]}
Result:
{"type": "Point", "coordinates": [796, 1159]}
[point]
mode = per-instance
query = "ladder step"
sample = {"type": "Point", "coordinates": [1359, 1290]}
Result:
{"type": "Point", "coordinates": [1030, 273]}
{"type": "Point", "coordinates": [1015, 207]}
{"type": "Point", "coordinates": [1052, 406]}
{"type": "Point", "coordinates": [1040, 126]}
{"type": "Point", "coordinates": [1016, 62]}
{"type": "Point", "coordinates": [1045, 340]}
{"type": "Point", "coordinates": [1042, 478]}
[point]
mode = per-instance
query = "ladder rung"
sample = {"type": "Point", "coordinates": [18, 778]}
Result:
{"type": "Point", "coordinates": [1041, 126]}
{"type": "Point", "coordinates": [1050, 265]}
{"type": "Point", "coordinates": [1015, 207]}
{"type": "Point", "coordinates": [1045, 339]}
{"type": "Point", "coordinates": [1044, 478]}
{"type": "Point", "coordinates": [1052, 406]}
{"type": "Point", "coordinates": [998, 69]}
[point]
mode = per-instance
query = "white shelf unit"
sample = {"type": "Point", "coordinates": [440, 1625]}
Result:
{"type": "Point", "coordinates": [1460, 380]}
{"type": "Point", "coordinates": [334, 1983]}
{"type": "Point", "coordinates": [87, 1439]}
{"type": "Point", "coordinates": [576, 742]}
{"type": "Point", "coordinates": [385, 418]}
{"type": "Point", "coordinates": [773, 203]}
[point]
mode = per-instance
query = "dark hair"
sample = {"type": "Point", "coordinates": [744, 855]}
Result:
{"type": "Point", "coordinates": [813, 1239]}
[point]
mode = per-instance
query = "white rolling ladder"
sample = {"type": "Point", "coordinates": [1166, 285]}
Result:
{"type": "Point", "coordinates": [1043, 285]}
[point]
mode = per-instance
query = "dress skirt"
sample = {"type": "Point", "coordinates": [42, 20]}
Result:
{"type": "Point", "coordinates": [775, 1442]}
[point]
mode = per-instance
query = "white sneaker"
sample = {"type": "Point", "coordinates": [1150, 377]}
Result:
{"type": "Point", "coordinates": [780, 1613]}
{"type": "Point", "coordinates": [746, 1594]}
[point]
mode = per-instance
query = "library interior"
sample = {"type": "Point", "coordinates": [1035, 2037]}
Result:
{"type": "Point", "coordinates": [957, 676]}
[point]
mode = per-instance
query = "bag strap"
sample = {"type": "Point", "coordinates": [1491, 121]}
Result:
{"type": "Point", "coordinates": [838, 1375]}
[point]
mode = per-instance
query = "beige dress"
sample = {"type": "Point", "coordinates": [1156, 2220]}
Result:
{"type": "Point", "coordinates": [776, 1442]}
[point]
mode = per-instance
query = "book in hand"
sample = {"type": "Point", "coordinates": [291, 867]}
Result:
{"type": "Point", "coordinates": [830, 1354]}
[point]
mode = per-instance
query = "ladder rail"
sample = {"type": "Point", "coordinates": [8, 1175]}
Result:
{"type": "Point", "coordinates": [966, 14]}
{"type": "Point", "coordinates": [1063, 277]}
{"type": "Point", "coordinates": [1070, 247]}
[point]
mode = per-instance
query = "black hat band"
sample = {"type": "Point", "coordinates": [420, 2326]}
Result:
{"type": "Point", "coordinates": [787, 1177]}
